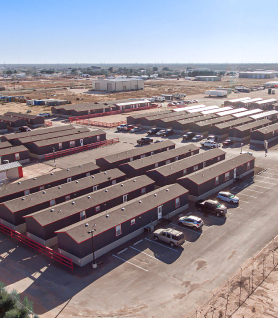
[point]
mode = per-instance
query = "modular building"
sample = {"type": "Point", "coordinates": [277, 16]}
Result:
{"type": "Point", "coordinates": [190, 111]}
{"type": "Point", "coordinates": [216, 110]}
{"type": "Point", "coordinates": [41, 226]}
{"type": "Point", "coordinates": [118, 84]}
{"type": "Point", "coordinates": [242, 133]}
{"type": "Point", "coordinates": [187, 108]}
{"type": "Point", "coordinates": [133, 104]}
{"type": "Point", "coordinates": [5, 144]}
{"type": "Point", "coordinates": [208, 108]}
{"type": "Point", "coordinates": [230, 112]}
{"type": "Point", "coordinates": [12, 138]}
{"type": "Point", "coordinates": [203, 127]}
{"type": "Point", "coordinates": [150, 121]}
{"type": "Point", "coordinates": [169, 174]}
{"type": "Point", "coordinates": [38, 149]}
{"type": "Point", "coordinates": [118, 225]}
{"type": "Point", "coordinates": [246, 113]}
{"type": "Point", "coordinates": [136, 118]}
{"type": "Point", "coordinates": [12, 123]}
{"type": "Point", "coordinates": [182, 126]}
{"type": "Point", "coordinates": [265, 104]}
{"type": "Point", "coordinates": [271, 115]}
{"type": "Point", "coordinates": [212, 179]}
{"type": "Point", "coordinates": [257, 74]}
{"type": "Point", "coordinates": [168, 122]}
{"type": "Point", "coordinates": [25, 187]}
{"type": "Point", "coordinates": [10, 171]}
{"type": "Point", "coordinates": [248, 103]}
{"type": "Point", "coordinates": [17, 153]}
{"type": "Point", "coordinates": [114, 161]}
{"type": "Point", "coordinates": [208, 78]}
{"type": "Point", "coordinates": [221, 131]}
{"type": "Point", "coordinates": [141, 166]}
{"type": "Point", "coordinates": [32, 121]}
{"type": "Point", "coordinates": [260, 136]}
{"type": "Point", "coordinates": [235, 102]}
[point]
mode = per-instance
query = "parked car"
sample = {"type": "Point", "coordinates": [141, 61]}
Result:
{"type": "Point", "coordinates": [210, 144]}
{"type": "Point", "coordinates": [191, 221]}
{"type": "Point", "coordinates": [168, 132]}
{"type": "Point", "coordinates": [169, 236]}
{"type": "Point", "coordinates": [144, 141]}
{"type": "Point", "coordinates": [28, 111]}
{"type": "Point", "coordinates": [128, 127]}
{"type": "Point", "coordinates": [24, 128]}
{"type": "Point", "coordinates": [211, 206]}
{"type": "Point", "coordinates": [227, 142]}
{"type": "Point", "coordinates": [121, 127]}
{"type": "Point", "coordinates": [134, 129]}
{"type": "Point", "coordinates": [153, 131]}
{"type": "Point", "coordinates": [212, 138]}
{"type": "Point", "coordinates": [228, 197]}
{"type": "Point", "coordinates": [44, 115]}
{"type": "Point", "coordinates": [189, 135]}
{"type": "Point", "coordinates": [160, 132]}
{"type": "Point", "coordinates": [197, 138]}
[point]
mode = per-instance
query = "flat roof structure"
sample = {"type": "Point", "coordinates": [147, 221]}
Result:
{"type": "Point", "coordinates": [20, 115]}
{"type": "Point", "coordinates": [264, 114]}
{"type": "Point", "coordinates": [266, 101]}
{"type": "Point", "coordinates": [181, 109]}
{"type": "Point", "coordinates": [216, 110]}
{"type": "Point", "coordinates": [166, 122]}
{"type": "Point", "coordinates": [5, 144]}
{"type": "Point", "coordinates": [133, 102]}
{"type": "Point", "coordinates": [253, 100]}
{"type": "Point", "coordinates": [203, 126]}
{"type": "Point", "coordinates": [253, 125]}
{"type": "Point", "coordinates": [247, 113]}
{"type": "Point", "coordinates": [184, 124]}
{"type": "Point", "coordinates": [238, 99]}
{"type": "Point", "coordinates": [232, 111]}
{"type": "Point", "coordinates": [223, 128]}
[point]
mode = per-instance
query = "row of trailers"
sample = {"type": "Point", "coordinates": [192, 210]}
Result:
{"type": "Point", "coordinates": [224, 122]}
{"type": "Point", "coordinates": [118, 197]}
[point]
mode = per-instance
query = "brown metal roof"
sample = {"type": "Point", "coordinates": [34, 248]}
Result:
{"type": "Point", "coordinates": [13, 149]}
{"type": "Point", "coordinates": [39, 197]}
{"type": "Point", "coordinates": [268, 129]}
{"type": "Point", "coordinates": [138, 151]}
{"type": "Point", "coordinates": [186, 163]}
{"type": "Point", "coordinates": [253, 125]}
{"type": "Point", "coordinates": [179, 117]}
{"type": "Point", "coordinates": [162, 156]}
{"type": "Point", "coordinates": [5, 144]}
{"type": "Point", "coordinates": [123, 212]}
{"type": "Point", "coordinates": [218, 169]}
{"type": "Point", "coordinates": [57, 140]}
{"type": "Point", "coordinates": [87, 201]}
{"type": "Point", "coordinates": [196, 119]}
{"type": "Point", "coordinates": [233, 123]}
{"type": "Point", "coordinates": [45, 179]}
{"type": "Point", "coordinates": [20, 115]}
{"type": "Point", "coordinates": [214, 121]}
{"type": "Point", "coordinates": [8, 118]}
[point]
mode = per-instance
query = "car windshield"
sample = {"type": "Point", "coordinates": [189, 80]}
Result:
{"type": "Point", "coordinates": [231, 196]}
{"type": "Point", "coordinates": [218, 205]}
{"type": "Point", "coordinates": [180, 236]}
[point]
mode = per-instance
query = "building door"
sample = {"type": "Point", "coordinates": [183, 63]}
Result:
{"type": "Point", "coordinates": [3, 175]}
{"type": "Point", "coordinates": [125, 198]}
{"type": "Point", "coordinates": [159, 212]}
{"type": "Point", "coordinates": [234, 173]}
{"type": "Point", "coordinates": [81, 142]}
{"type": "Point", "coordinates": [97, 86]}
{"type": "Point", "coordinates": [94, 188]}
{"type": "Point", "coordinates": [26, 192]}
{"type": "Point", "coordinates": [109, 87]}
{"type": "Point", "coordinates": [98, 138]}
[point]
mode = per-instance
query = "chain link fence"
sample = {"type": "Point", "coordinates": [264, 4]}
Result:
{"type": "Point", "coordinates": [228, 299]}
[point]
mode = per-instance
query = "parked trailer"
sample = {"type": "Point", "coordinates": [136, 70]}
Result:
{"type": "Point", "coordinates": [218, 93]}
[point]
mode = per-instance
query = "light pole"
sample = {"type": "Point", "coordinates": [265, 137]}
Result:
{"type": "Point", "coordinates": [94, 265]}
{"type": "Point", "coordinates": [53, 150]}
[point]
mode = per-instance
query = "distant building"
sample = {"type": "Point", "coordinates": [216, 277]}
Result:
{"type": "Point", "coordinates": [258, 74]}
{"type": "Point", "coordinates": [208, 78]}
{"type": "Point", "coordinates": [118, 84]}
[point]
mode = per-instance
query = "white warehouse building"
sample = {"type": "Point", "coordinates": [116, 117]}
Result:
{"type": "Point", "coordinates": [118, 84]}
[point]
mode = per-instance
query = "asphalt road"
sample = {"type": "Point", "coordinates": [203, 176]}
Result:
{"type": "Point", "coordinates": [147, 279]}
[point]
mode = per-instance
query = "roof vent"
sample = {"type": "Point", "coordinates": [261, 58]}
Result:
{"type": "Point", "coordinates": [134, 180]}
{"type": "Point", "coordinates": [35, 178]}
{"type": "Point", "coordinates": [202, 175]}
{"type": "Point", "coordinates": [122, 185]}
{"type": "Point", "coordinates": [77, 181]}
{"type": "Point", "coordinates": [23, 199]}
{"type": "Point", "coordinates": [89, 197]}
{"type": "Point", "coordinates": [167, 189]}
{"type": "Point", "coordinates": [93, 176]}
{"type": "Point", "coordinates": [155, 194]}
{"type": "Point", "coordinates": [44, 192]}
{"type": "Point", "coordinates": [72, 202]}
{"type": "Point", "coordinates": [123, 209]}
{"type": "Point", "coordinates": [80, 166]}
{"type": "Point", "coordinates": [140, 201]}
{"type": "Point", "coordinates": [105, 172]}
{"type": "Point", "coordinates": [52, 173]}
{"type": "Point", "coordinates": [106, 190]}
{"type": "Point", "coordinates": [59, 187]}
{"type": "Point", "coordinates": [19, 182]}
{"type": "Point", "coordinates": [52, 210]}
{"type": "Point", "coordinates": [68, 169]}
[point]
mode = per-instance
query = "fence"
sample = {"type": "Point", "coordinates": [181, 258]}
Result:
{"type": "Point", "coordinates": [48, 123]}
{"type": "Point", "coordinates": [99, 123]}
{"type": "Point", "coordinates": [70, 151]}
{"type": "Point", "coordinates": [38, 247]}
{"type": "Point", "coordinates": [114, 112]}
{"type": "Point", "coordinates": [233, 294]}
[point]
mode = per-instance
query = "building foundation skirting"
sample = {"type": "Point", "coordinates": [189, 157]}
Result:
{"type": "Point", "coordinates": [24, 161]}
{"type": "Point", "coordinates": [3, 131]}
{"type": "Point", "coordinates": [240, 139]}
{"type": "Point", "coordinates": [261, 142]}
{"type": "Point", "coordinates": [19, 228]}
{"type": "Point", "coordinates": [48, 243]}
{"type": "Point", "coordinates": [35, 126]}
{"type": "Point", "coordinates": [180, 132]}
{"type": "Point", "coordinates": [89, 258]}
{"type": "Point", "coordinates": [33, 155]}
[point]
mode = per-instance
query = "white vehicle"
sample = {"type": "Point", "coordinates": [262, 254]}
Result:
{"type": "Point", "coordinates": [212, 138]}
{"type": "Point", "coordinates": [228, 197]}
{"type": "Point", "coordinates": [210, 144]}
{"type": "Point", "coordinates": [159, 98]}
{"type": "Point", "coordinates": [219, 93]}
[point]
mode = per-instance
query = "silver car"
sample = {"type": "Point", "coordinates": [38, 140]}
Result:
{"type": "Point", "coordinates": [228, 197]}
{"type": "Point", "coordinates": [169, 236]}
{"type": "Point", "coordinates": [191, 221]}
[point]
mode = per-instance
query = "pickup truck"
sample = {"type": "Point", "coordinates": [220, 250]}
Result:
{"type": "Point", "coordinates": [144, 141]}
{"type": "Point", "coordinates": [211, 206]}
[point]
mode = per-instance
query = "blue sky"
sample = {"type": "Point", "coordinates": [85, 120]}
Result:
{"type": "Point", "coordinates": [145, 31]}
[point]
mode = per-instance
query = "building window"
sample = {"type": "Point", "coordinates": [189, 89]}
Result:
{"type": "Point", "coordinates": [195, 168]}
{"type": "Point", "coordinates": [118, 230]}
{"type": "Point", "coordinates": [248, 165]}
{"type": "Point", "coordinates": [184, 172]}
{"type": "Point", "coordinates": [218, 158]}
{"type": "Point", "coordinates": [94, 188]}
{"type": "Point", "coordinates": [67, 197]}
{"type": "Point", "coordinates": [204, 164]}
{"type": "Point", "coordinates": [130, 159]}
{"type": "Point", "coordinates": [82, 215]}
{"type": "Point", "coordinates": [52, 202]}
{"type": "Point", "coordinates": [41, 187]}
{"type": "Point", "coordinates": [192, 153]}
{"type": "Point", "coordinates": [72, 143]}
{"type": "Point", "coordinates": [168, 161]}
{"type": "Point", "coordinates": [60, 145]}
{"type": "Point", "coordinates": [26, 192]}
{"type": "Point", "coordinates": [98, 138]}
{"type": "Point", "coordinates": [168, 148]}
{"type": "Point", "coordinates": [97, 208]}
{"type": "Point", "coordinates": [227, 176]}
{"type": "Point", "coordinates": [152, 153]}
{"type": "Point", "coordinates": [17, 157]}
{"type": "Point", "coordinates": [156, 165]}
{"type": "Point", "coordinates": [88, 174]}
{"type": "Point", "coordinates": [177, 202]}
{"type": "Point", "coordinates": [143, 156]}
{"type": "Point", "coordinates": [216, 180]}
{"type": "Point", "coordinates": [177, 158]}
{"type": "Point", "coordinates": [143, 190]}
{"type": "Point", "coordinates": [69, 179]}
{"type": "Point", "coordinates": [132, 222]}
{"type": "Point", "coordinates": [113, 182]}
{"type": "Point", "coordinates": [125, 198]}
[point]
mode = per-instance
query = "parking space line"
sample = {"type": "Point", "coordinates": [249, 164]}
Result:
{"type": "Point", "coordinates": [261, 187]}
{"type": "Point", "coordinates": [122, 251]}
{"type": "Point", "coordinates": [254, 190]}
{"type": "Point", "coordinates": [244, 201]}
{"type": "Point", "coordinates": [130, 263]}
{"type": "Point", "coordinates": [247, 195]}
{"type": "Point", "coordinates": [233, 188]}
{"type": "Point", "coordinates": [265, 177]}
{"type": "Point", "coordinates": [138, 242]}
{"type": "Point", "coordinates": [162, 245]}
{"type": "Point", "coordinates": [185, 228]}
{"type": "Point", "coordinates": [136, 249]}
{"type": "Point", "coordinates": [265, 182]}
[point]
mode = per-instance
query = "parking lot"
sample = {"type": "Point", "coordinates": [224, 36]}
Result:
{"type": "Point", "coordinates": [146, 278]}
